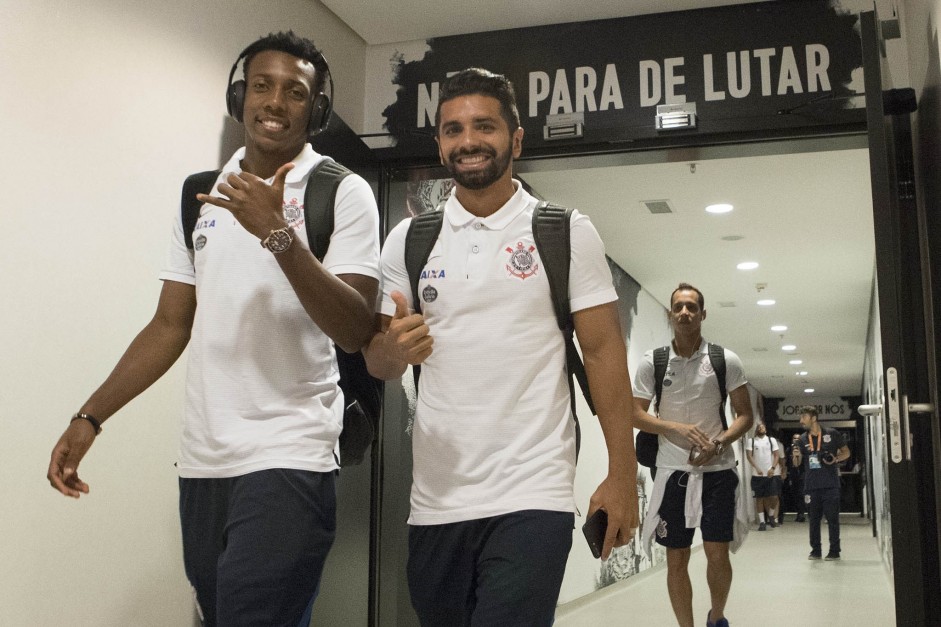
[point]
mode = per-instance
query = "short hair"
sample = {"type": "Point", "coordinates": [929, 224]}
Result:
{"type": "Point", "coordinates": [683, 287]}
{"type": "Point", "coordinates": [476, 80]}
{"type": "Point", "coordinates": [810, 410]}
{"type": "Point", "coordinates": [294, 45]}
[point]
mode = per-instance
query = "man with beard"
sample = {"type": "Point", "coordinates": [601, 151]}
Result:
{"type": "Point", "coordinates": [492, 501]}
{"type": "Point", "coordinates": [696, 483]}
{"type": "Point", "coordinates": [821, 451]}
{"type": "Point", "coordinates": [763, 454]}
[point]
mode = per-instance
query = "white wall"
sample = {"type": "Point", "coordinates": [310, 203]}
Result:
{"type": "Point", "coordinates": [583, 574]}
{"type": "Point", "coordinates": [106, 106]}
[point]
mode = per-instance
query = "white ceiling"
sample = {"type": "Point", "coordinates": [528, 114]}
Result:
{"type": "Point", "coordinates": [804, 211]}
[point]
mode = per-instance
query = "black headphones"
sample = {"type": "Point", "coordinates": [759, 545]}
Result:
{"type": "Point", "coordinates": [320, 108]}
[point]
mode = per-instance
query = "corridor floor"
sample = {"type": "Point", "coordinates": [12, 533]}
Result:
{"type": "Point", "coordinates": [774, 584]}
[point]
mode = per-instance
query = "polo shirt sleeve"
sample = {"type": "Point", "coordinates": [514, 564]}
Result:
{"type": "Point", "coordinates": [734, 371]}
{"type": "Point", "coordinates": [590, 282]}
{"type": "Point", "coordinates": [179, 264]}
{"type": "Point", "coordinates": [750, 444]}
{"type": "Point", "coordinates": [643, 383]}
{"type": "Point", "coordinates": [394, 274]}
{"type": "Point", "coordinates": [354, 245]}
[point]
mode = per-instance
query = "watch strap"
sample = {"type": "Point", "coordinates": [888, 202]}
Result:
{"type": "Point", "coordinates": [94, 421]}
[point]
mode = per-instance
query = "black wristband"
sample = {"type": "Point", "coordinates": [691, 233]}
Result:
{"type": "Point", "coordinates": [91, 419]}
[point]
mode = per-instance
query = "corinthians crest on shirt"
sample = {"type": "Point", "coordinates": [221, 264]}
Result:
{"type": "Point", "coordinates": [521, 263]}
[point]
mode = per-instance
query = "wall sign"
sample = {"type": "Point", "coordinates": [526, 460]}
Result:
{"type": "Point", "coordinates": [753, 67]}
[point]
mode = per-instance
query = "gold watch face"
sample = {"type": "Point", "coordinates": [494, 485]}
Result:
{"type": "Point", "coordinates": [279, 241]}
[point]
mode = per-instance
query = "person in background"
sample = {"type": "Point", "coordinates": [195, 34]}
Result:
{"type": "Point", "coordinates": [263, 409]}
{"type": "Point", "coordinates": [694, 458]}
{"type": "Point", "coordinates": [821, 450]}
{"type": "Point", "coordinates": [762, 454]}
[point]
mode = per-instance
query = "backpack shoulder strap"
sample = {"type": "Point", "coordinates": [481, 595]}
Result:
{"type": "Point", "coordinates": [552, 236]}
{"type": "Point", "coordinates": [717, 359]}
{"type": "Point", "coordinates": [419, 240]}
{"type": "Point", "coordinates": [553, 241]}
{"type": "Point", "coordinates": [319, 200]}
{"type": "Point", "coordinates": [661, 358]}
{"type": "Point", "coordinates": [421, 237]}
{"type": "Point", "coordinates": [199, 183]}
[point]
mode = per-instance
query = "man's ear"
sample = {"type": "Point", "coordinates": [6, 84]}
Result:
{"type": "Point", "coordinates": [517, 142]}
{"type": "Point", "coordinates": [440, 154]}
{"type": "Point", "coordinates": [703, 314]}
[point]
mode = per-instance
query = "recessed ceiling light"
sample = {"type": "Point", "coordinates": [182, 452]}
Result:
{"type": "Point", "coordinates": [801, 373]}
{"type": "Point", "coordinates": [809, 390]}
{"type": "Point", "coordinates": [795, 362]}
{"type": "Point", "coordinates": [789, 347]}
{"type": "Point", "coordinates": [719, 208]}
{"type": "Point", "coordinates": [779, 328]}
{"type": "Point", "coordinates": [767, 302]}
{"type": "Point", "coordinates": [747, 265]}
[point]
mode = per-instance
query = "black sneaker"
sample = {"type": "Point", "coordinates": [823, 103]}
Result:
{"type": "Point", "coordinates": [832, 556]}
{"type": "Point", "coordinates": [762, 527]}
{"type": "Point", "coordinates": [800, 519]}
{"type": "Point", "coordinates": [814, 555]}
{"type": "Point", "coordinates": [773, 524]}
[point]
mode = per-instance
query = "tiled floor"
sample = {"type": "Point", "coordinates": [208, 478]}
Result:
{"type": "Point", "coordinates": [774, 584]}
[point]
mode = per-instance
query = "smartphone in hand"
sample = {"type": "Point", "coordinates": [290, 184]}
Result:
{"type": "Point", "coordinates": [594, 530]}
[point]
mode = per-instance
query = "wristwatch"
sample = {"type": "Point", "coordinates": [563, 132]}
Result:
{"type": "Point", "coordinates": [279, 240]}
{"type": "Point", "coordinates": [720, 447]}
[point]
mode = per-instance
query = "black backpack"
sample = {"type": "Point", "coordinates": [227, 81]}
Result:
{"type": "Point", "coordinates": [361, 391]}
{"type": "Point", "coordinates": [647, 444]}
{"type": "Point", "coordinates": [551, 234]}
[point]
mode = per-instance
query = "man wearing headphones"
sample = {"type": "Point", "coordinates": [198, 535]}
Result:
{"type": "Point", "coordinates": [263, 409]}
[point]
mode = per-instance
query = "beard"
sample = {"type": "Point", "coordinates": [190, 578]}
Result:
{"type": "Point", "coordinates": [480, 179]}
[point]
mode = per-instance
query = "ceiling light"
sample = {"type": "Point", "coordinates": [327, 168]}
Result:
{"type": "Point", "coordinates": [747, 265]}
{"type": "Point", "coordinates": [801, 373]}
{"type": "Point", "coordinates": [809, 390]}
{"type": "Point", "coordinates": [719, 208]}
{"type": "Point", "coordinates": [795, 362]}
{"type": "Point", "coordinates": [779, 328]}
{"type": "Point", "coordinates": [767, 302]}
{"type": "Point", "coordinates": [789, 347]}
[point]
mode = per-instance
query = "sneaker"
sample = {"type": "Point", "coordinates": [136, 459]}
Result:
{"type": "Point", "coordinates": [814, 555]}
{"type": "Point", "coordinates": [832, 556]}
{"type": "Point", "coordinates": [800, 519]}
{"type": "Point", "coordinates": [722, 622]}
{"type": "Point", "coordinates": [773, 524]}
{"type": "Point", "coordinates": [762, 527]}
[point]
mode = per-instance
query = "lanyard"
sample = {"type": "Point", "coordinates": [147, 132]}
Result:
{"type": "Point", "coordinates": [810, 441]}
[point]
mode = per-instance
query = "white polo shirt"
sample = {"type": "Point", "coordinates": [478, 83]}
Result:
{"type": "Point", "coordinates": [261, 382]}
{"type": "Point", "coordinates": [762, 453]}
{"type": "Point", "coordinates": [493, 430]}
{"type": "Point", "coordinates": [691, 396]}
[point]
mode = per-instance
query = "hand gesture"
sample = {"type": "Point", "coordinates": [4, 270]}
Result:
{"type": "Point", "coordinates": [66, 456]}
{"type": "Point", "coordinates": [619, 499]}
{"type": "Point", "coordinates": [257, 206]}
{"type": "Point", "coordinates": [692, 434]}
{"type": "Point", "coordinates": [408, 335]}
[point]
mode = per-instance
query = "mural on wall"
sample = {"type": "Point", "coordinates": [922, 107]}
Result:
{"type": "Point", "coordinates": [795, 65]}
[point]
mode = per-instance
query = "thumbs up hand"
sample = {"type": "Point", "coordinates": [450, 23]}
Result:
{"type": "Point", "coordinates": [408, 336]}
